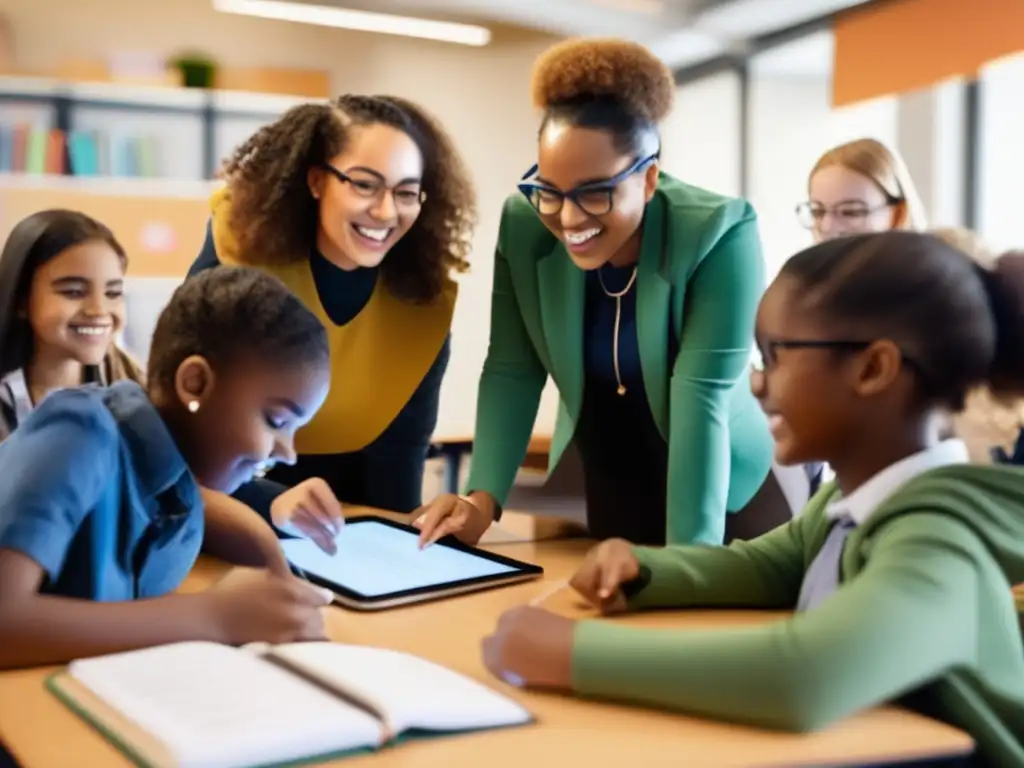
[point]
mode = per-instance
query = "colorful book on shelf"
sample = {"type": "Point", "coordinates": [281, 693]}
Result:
{"type": "Point", "coordinates": [35, 151]}
{"type": "Point", "coordinates": [6, 148]}
{"type": "Point", "coordinates": [19, 148]}
{"type": "Point", "coordinates": [55, 161]}
{"type": "Point", "coordinates": [204, 704]}
{"type": "Point", "coordinates": [82, 153]}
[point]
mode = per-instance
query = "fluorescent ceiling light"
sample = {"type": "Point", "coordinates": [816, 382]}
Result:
{"type": "Point", "coordinates": [750, 18]}
{"type": "Point", "coordinates": [651, 7]}
{"type": "Point", "coordinates": [362, 21]}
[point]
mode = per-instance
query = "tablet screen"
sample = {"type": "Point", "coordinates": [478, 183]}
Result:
{"type": "Point", "coordinates": [375, 559]}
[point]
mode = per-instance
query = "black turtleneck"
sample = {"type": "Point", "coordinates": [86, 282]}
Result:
{"type": "Point", "coordinates": [388, 473]}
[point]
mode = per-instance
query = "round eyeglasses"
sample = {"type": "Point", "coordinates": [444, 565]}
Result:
{"type": "Point", "coordinates": [407, 194]}
{"type": "Point", "coordinates": [852, 215]}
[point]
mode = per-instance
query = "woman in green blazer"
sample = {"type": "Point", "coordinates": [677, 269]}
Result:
{"type": "Point", "coordinates": [636, 293]}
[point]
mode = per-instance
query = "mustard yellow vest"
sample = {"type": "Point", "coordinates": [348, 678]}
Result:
{"type": "Point", "coordinates": [378, 358]}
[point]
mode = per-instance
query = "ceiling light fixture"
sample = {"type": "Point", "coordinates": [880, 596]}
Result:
{"type": "Point", "coordinates": [650, 7]}
{"type": "Point", "coordinates": [362, 21]}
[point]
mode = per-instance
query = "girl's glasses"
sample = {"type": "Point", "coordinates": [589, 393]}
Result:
{"type": "Point", "coordinates": [768, 352]}
{"type": "Point", "coordinates": [594, 198]}
{"type": "Point", "coordinates": [853, 214]}
{"type": "Point", "coordinates": [769, 348]}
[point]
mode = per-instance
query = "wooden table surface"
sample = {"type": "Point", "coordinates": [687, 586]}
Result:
{"type": "Point", "coordinates": [41, 733]}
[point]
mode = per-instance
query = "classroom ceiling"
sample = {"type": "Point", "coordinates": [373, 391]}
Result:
{"type": "Point", "coordinates": [682, 32]}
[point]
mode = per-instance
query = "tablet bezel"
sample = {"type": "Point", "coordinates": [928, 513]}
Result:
{"type": "Point", "coordinates": [356, 600]}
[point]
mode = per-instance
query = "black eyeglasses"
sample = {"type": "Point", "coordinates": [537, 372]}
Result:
{"type": "Point", "coordinates": [372, 187]}
{"type": "Point", "coordinates": [852, 213]}
{"type": "Point", "coordinates": [768, 349]}
{"type": "Point", "coordinates": [594, 198]}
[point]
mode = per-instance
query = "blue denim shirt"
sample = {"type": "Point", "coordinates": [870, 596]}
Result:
{"type": "Point", "coordinates": [94, 489]}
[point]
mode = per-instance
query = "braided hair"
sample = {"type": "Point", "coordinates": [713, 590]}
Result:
{"type": "Point", "coordinates": [267, 178]}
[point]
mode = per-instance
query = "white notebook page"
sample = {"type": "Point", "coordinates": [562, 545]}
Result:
{"type": "Point", "coordinates": [414, 693]}
{"type": "Point", "coordinates": [214, 706]}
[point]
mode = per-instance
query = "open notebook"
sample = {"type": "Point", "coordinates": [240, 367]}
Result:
{"type": "Point", "coordinates": [214, 706]}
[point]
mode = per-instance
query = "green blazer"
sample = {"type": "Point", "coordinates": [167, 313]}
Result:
{"type": "Point", "coordinates": [701, 267]}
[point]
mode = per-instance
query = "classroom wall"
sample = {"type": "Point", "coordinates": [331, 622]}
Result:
{"type": "Point", "coordinates": [786, 120]}
{"type": "Point", "coordinates": [1002, 152]}
{"type": "Point", "coordinates": [481, 94]}
{"type": "Point", "coordinates": [785, 138]}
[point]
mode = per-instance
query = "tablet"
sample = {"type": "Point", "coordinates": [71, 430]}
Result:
{"type": "Point", "coordinates": [379, 565]}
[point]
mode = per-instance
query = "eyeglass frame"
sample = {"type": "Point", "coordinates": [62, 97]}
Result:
{"type": "Point", "coordinates": [834, 344]}
{"type": "Point", "coordinates": [608, 185]}
{"type": "Point", "coordinates": [344, 178]}
{"type": "Point", "coordinates": [849, 345]}
{"type": "Point", "coordinates": [890, 201]}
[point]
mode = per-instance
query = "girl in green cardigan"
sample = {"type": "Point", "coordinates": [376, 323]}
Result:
{"type": "Point", "coordinates": [899, 572]}
{"type": "Point", "coordinates": [636, 293]}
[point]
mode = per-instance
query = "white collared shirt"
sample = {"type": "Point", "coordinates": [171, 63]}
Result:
{"type": "Point", "coordinates": [869, 496]}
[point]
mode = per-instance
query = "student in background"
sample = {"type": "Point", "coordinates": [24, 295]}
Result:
{"type": "Point", "coordinates": [61, 308]}
{"type": "Point", "coordinates": [636, 293]}
{"type": "Point", "coordinates": [100, 511]}
{"type": "Point", "coordinates": [858, 187]}
{"type": "Point", "coordinates": [898, 572]}
{"type": "Point", "coordinates": [991, 427]}
{"type": "Point", "coordinates": [363, 207]}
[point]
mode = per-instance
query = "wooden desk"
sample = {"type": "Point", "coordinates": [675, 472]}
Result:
{"type": "Point", "coordinates": [41, 733]}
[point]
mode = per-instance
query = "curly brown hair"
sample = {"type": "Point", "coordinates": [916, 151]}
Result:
{"type": "Point", "coordinates": [587, 68]}
{"type": "Point", "coordinates": [607, 84]}
{"type": "Point", "coordinates": [267, 180]}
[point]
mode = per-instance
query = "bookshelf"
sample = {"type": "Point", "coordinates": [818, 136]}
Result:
{"type": "Point", "coordinates": [54, 127]}
{"type": "Point", "coordinates": [141, 159]}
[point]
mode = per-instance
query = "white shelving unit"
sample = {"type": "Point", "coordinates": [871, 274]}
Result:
{"type": "Point", "coordinates": [111, 185]}
{"type": "Point", "coordinates": [195, 129]}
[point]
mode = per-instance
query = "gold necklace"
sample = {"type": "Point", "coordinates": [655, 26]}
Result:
{"type": "Point", "coordinates": [618, 317]}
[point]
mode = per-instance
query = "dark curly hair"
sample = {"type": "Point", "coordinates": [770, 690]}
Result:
{"type": "Point", "coordinates": [267, 178]}
{"type": "Point", "coordinates": [607, 84]}
{"type": "Point", "coordinates": [960, 323]}
{"type": "Point", "coordinates": [214, 314]}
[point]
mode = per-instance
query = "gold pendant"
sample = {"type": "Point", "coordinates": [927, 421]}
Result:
{"type": "Point", "coordinates": [622, 389]}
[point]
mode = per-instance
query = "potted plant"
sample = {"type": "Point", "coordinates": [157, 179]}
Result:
{"type": "Point", "coordinates": [197, 70]}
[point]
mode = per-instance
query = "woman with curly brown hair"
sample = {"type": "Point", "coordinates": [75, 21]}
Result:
{"type": "Point", "coordinates": [363, 207]}
{"type": "Point", "coordinates": [636, 293]}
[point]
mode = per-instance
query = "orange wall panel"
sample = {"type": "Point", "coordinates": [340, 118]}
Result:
{"type": "Point", "coordinates": [904, 45]}
{"type": "Point", "coordinates": [162, 235]}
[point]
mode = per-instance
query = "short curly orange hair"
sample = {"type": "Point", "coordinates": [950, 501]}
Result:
{"type": "Point", "coordinates": [587, 69]}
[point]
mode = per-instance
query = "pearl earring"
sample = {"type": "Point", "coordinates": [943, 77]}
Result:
{"type": "Point", "coordinates": [193, 406]}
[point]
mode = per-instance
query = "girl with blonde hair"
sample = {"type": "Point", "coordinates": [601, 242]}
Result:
{"type": "Point", "coordinates": [859, 187]}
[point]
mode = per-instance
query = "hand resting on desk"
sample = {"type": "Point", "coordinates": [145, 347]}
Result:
{"type": "Point", "coordinates": [605, 569]}
{"type": "Point", "coordinates": [532, 647]}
